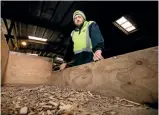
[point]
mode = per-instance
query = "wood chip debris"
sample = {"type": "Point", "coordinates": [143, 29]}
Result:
{"type": "Point", "coordinates": [52, 100]}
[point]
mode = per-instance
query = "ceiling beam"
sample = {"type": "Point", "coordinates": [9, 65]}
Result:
{"type": "Point", "coordinates": [57, 5]}
{"type": "Point", "coordinates": [42, 8]}
{"type": "Point", "coordinates": [15, 36]}
{"type": "Point", "coordinates": [57, 37]}
{"type": "Point", "coordinates": [9, 30]}
{"type": "Point", "coordinates": [44, 53]}
{"type": "Point", "coordinates": [44, 33]}
{"type": "Point", "coordinates": [34, 21]}
{"type": "Point", "coordinates": [39, 53]}
{"type": "Point", "coordinates": [67, 12]}
{"type": "Point", "coordinates": [43, 50]}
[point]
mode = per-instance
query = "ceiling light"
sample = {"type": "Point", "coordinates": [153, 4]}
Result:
{"type": "Point", "coordinates": [37, 38]}
{"type": "Point", "coordinates": [59, 59]}
{"type": "Point", "coordinates": [24, 43]}
{"type": "Point", "coordinates": [32, 54]}
{"type": "Point", "coordinates": [125, 25]}
{"type": "Point", "coordinates": [121, 20]}
{"type": "Point", "coordinates": [130, 28]}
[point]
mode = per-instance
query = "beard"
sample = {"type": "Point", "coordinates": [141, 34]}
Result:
{"type": "Point", "coordinates": [80, 25]}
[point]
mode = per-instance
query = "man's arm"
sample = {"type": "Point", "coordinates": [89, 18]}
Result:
{"type": "Point", "coordinates": [97, 41]}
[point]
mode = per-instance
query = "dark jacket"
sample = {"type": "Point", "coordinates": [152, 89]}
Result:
{"type": "Point", "coordinates": [97, 43]}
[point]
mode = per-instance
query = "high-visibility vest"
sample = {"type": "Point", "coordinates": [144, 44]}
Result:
{"type": "Point", "coordinates": [82, 40]}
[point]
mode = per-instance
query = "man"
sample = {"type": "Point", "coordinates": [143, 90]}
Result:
{"type": "Point", "coordinates": [88, 42]}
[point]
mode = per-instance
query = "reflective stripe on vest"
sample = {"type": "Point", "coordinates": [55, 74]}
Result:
{"type": "Point", "coordinates": [87, 44]}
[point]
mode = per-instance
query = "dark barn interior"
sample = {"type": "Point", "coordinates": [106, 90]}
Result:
{"type": "Point", "coordinates": [125, 82]}
{"type": "Point", "coordinates": [52, 20]}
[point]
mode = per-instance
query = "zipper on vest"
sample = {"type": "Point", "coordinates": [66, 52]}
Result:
{"type": "Point", "coordinates": [79, 32]}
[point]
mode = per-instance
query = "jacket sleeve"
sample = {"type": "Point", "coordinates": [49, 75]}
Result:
{"type": "Point", "coordinates": [96, 37]}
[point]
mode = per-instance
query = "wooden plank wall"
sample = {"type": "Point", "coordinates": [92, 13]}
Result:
{"type": "Point", "coordinates": [133, 76]}
{"type": "Point", "coordinates": [27, 69]}
{"type": "Point", "coordinates": [4, 55]}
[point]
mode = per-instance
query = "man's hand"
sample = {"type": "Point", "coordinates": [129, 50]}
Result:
{"type": "Point", "coordinates": [63, 66]}
{"type": "Point", "coordinates": [98, 55]}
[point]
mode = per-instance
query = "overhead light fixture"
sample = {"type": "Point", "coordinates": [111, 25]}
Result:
{"type": "Point", "coordinates": [59, 59]}
{"type": "Point", "coordinates": [24, 43]}
{"type": "Point", "coordinates": [32, 54]}
{"type": "Point", "coordinates": [121, 20]}
{"type": "Point", "coordinates": [125, 25]}
{"type": "Point", "coordinates": [131, 28]}
{"type": "Point", "coordinates": [37, 38]}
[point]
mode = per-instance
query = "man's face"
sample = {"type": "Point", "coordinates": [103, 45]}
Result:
{"type": "Point", "coordinates": [78, 20]}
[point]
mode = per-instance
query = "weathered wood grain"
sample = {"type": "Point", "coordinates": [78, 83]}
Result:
{"type": "Point", "coordinates": [4, 55]}
{"type": "Point", "coordinates": [132, 76]}
{"type": "Point", "coordinates": [27, 69]}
